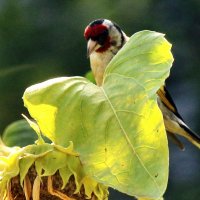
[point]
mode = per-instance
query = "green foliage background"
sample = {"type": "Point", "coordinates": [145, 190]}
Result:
{"type": "Point", "coordinates": [44, 39]}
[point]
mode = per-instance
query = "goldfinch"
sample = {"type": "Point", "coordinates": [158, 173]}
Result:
{"type": "Point", "coordinates": [104, 40]}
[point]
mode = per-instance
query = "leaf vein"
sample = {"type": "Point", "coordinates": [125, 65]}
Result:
{"type": "Point", "coordinates": [128, 140]}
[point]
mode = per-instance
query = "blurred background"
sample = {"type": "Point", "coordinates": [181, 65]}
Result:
{"type": "Point", "coordinates": [44, 39]}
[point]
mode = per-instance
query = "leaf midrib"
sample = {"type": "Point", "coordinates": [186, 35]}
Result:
{"type": "Point", "coordinates": [128, 140]}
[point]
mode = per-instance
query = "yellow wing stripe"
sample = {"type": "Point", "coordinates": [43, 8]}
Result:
{"type": "Point", "coordinates": [161, 93]}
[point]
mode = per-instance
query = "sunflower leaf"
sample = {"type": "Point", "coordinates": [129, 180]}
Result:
{"type": "Point", "coordinates": [117, 129]}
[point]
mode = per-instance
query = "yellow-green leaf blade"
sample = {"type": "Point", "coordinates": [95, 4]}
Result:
{"type": "Point", "coordinates": [117, 129]}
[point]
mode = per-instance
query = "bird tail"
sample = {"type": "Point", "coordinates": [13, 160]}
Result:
{"type": "Point", "coordinates": [177, 126]}
{"type": "Point", "coordinates": [190, 135]}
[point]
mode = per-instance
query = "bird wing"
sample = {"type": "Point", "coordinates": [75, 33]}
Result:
{"type": "Point", "coordinates": [168, 101]}
{"type": "Point", "coordinates": [176, 125]}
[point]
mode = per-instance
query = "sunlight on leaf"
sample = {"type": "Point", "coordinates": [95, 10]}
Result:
{"type": "Point", "coordinates": [117, 129]}
{"type": "Point", "coordinates": [36, 128]}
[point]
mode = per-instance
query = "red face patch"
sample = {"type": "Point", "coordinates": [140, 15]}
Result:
{"type": "Point", "coordinates": [94, 31]}
{"type": "Point", "coordinates": [105, 46]}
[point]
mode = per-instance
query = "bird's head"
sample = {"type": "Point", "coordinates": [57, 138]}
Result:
{"type": "Point", "coordinates": [103, 35]}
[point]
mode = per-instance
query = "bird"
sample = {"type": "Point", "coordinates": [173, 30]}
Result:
{"type": "Point", "coordinates": [104, 39]}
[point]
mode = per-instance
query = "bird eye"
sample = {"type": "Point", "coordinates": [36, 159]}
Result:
{"type": "Point", "coordinates": [101, 39]}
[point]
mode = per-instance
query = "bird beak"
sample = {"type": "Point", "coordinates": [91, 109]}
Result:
{"type": "Point", "coordinates": [91, 47]}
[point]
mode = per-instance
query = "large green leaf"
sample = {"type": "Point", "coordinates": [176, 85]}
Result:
{"type": "Point", "coordinates": [117, 128]}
